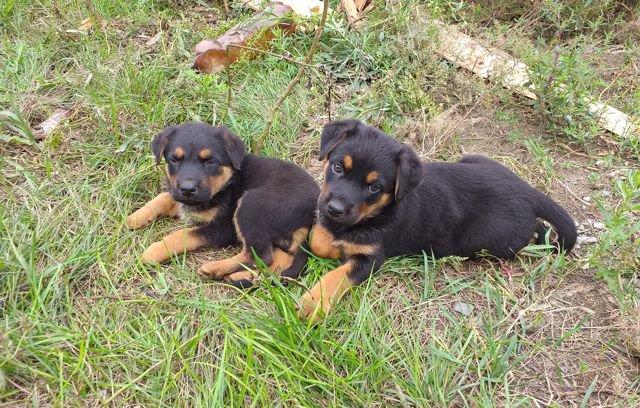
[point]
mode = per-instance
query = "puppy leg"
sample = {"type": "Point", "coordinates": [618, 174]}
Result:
{"type": "Point", "coordinates": [162, 205]}
{"type": "Point", "coordinates": [322, 243]}
{"type": "Point", "coordinates": [287, 263]}
{"type": "Point", "coordinates": [218, 270]}
{"type": "Point", "coordinates": [178, 242]}
{"type": "Point", "coordinates": [284, 264]}
{"type": "Point", "coordinates": [319, 300]}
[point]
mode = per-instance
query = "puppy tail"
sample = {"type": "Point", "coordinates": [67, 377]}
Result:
{"type": "Point", "coordinates": [549, 210]}
{"type": "Point", "coordinates": [298, 264]}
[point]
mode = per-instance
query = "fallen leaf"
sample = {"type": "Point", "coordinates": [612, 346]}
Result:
{"type": "Point", "coordinates": [362, 4]}
{"type": "Point", "coordinates": [86, 24]}
{"type": "Point", "coordinates": [47, 127]}
{"type": "Point", "coordinates": [351, 10]}
{"type": "Point", "coordinates": [154, 39]}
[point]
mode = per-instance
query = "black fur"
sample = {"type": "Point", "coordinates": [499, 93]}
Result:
{"type": "Point", "coordinates": [277, 197]}
{"type": "Point", "coordinates": [441, 208]}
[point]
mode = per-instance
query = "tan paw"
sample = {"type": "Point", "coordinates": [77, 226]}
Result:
{"type": "Point", "coordinates": [310, 308]}
{"type": "Point", "coordinates": [140, 218]}
{"type": "Point", "coordinates": [242, 279]}
{"type": "Point", "coordinates": [219, 269]}
{"type": "Point", "coordinates": [156, 253]}
{"type": "Point", "coordinates": [216, 270]}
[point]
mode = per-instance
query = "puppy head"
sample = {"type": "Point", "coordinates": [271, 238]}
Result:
{"type": "Point", "coordinates": [201, 159]}
{"type": "Point", "coordinates": [365, 172]}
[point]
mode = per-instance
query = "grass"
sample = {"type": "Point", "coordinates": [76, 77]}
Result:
{"type": "Point", "coordinates": [84, 322]}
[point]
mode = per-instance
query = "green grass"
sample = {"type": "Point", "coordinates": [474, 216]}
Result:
{"type": "Point", "coordinates": [83, 322]}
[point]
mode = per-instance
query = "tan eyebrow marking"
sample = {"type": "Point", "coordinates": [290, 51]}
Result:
{"type": "Point", "coordinates": [204, 154]}
{"type": "Point", "coordinates": [348, 162]}
{"type": "Point", "coordinates": [372, 177]}
{"type": "Point", "coordinates": [179, 152]}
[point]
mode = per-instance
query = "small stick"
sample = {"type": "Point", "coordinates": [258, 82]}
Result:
{"type": "Point", "coordinates": [257, 146]}
{"type": "Point", "coordinates": [328, 101]}
{"type": "Point", "coordinates": [226, 6]}
{"type": "Point", "coordinates": [228, 71]}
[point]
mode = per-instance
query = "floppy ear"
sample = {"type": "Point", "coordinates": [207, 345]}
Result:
{"type": "Point", "coordinates": [234, 147]}
{"type": "Point", "coordinates": [334, 133]}
{"type": "Point", "coordinates": [160, 142]}
{"type": "Point", "coordinates": [409, 172]}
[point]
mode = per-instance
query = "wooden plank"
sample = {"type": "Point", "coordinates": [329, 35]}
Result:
{"type": "Point", "coordinates": [215, 55]}
{"type": "Point", "coordinates": [498, 66]}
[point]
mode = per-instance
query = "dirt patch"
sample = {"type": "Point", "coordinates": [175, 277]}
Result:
{"type": "Point", "coordinates": [571, 335]}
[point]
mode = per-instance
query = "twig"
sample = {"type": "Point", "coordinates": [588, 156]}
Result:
{"type": "Point", "coordinates": [572, 193]}
{"type": "Point", "coordinates": [329, 90]}
{"type": "Point", "coordinates": [244, 47]}
{"type": "Point", "coordinates": [228, 71]}
{"type": "Point", "coordinates": [257, 146]}
{"type": "Point", "coordinates": [226, 6]}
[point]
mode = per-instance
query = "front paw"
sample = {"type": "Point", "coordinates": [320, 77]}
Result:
{"type": "Point", "coordinates": [311, 309]}
{"type": "Point", "coordinates": [156, 253]}
{"type": "Point", "coordinates": [216, 270]}
{"type": "Point", "coordinates": [242, 279]}
{"type": "Point", "coordinates": [139, 218]}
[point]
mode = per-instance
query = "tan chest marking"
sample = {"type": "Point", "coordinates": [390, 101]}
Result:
{"type": "Point", "coordinates": [199, 217]}
{"type": "Point", "coordinates": [350, 248]}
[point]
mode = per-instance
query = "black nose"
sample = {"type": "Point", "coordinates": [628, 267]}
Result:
{"type": "Point", "coordinates": [335, 209]}
{"type": "Point", "coordinates": [188, 188]}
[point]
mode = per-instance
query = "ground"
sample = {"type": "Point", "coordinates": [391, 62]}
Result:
{"type": "Point", "coordinates": [85, 323]}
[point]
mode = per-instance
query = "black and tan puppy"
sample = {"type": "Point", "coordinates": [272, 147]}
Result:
{"type": "Point", "coordinates": [265, 205]}
{"type": "Point", "coordinates": [379, 200]}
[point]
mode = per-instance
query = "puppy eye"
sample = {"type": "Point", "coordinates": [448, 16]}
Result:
{"type": "Point", "coordinates": [374, 188]}
{"type": "Point", "coordinates": [337, 168]}
{"type": "Point", "coordinates": [174, 159]}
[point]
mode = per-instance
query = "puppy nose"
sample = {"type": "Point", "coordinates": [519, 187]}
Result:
{"type": "Point", "coordinates": [188, 188]}
{"type": "Point", "coordinates": [335, 209]}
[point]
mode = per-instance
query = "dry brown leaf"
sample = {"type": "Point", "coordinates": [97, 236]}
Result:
{"type": "Point", "coordinates": [46, 128]}
{"type": "Point", "coordinates": [361, 5]}
{"type": "Point", "coordinates": [351, 10]}
{"type": "Point", "coordinates": [86, 25]}
{"type": "Point", "coordinates": [154, 39]}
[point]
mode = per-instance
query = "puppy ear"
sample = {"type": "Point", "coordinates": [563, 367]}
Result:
{"type": "Point", "coordinates": [234, 147]}
{"type": "Point", "coordinates": [409, 172]}
{"type": "Point", "coordinates": [160, 142]}
{"type": "Point", "coordinates": [334, 133]}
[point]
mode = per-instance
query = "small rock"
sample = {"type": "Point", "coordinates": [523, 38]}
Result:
{"type": "Point", "coordinates": [464, 309]}
{"type": "Point", "coordinates": [598, 225]}
{"type": "Point", "coordinates": [600, 163]}
{"type": "Point", "coordinates": [586, 240]}
{"type": "Point", "coordinates": [606, 193]}
{"type": "Point", "coordinates": [587, 199]}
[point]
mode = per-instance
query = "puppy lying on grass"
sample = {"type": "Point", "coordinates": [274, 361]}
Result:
{"type": "Point", "coordinates": [265, 205]}
{"type": "Point", "coordinates": [379, 200]}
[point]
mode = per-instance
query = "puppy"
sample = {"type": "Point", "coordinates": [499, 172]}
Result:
{"type": "Point", "coordinates": [265, 205]}
{"type": "Point", "coordinates": [379, 200]}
